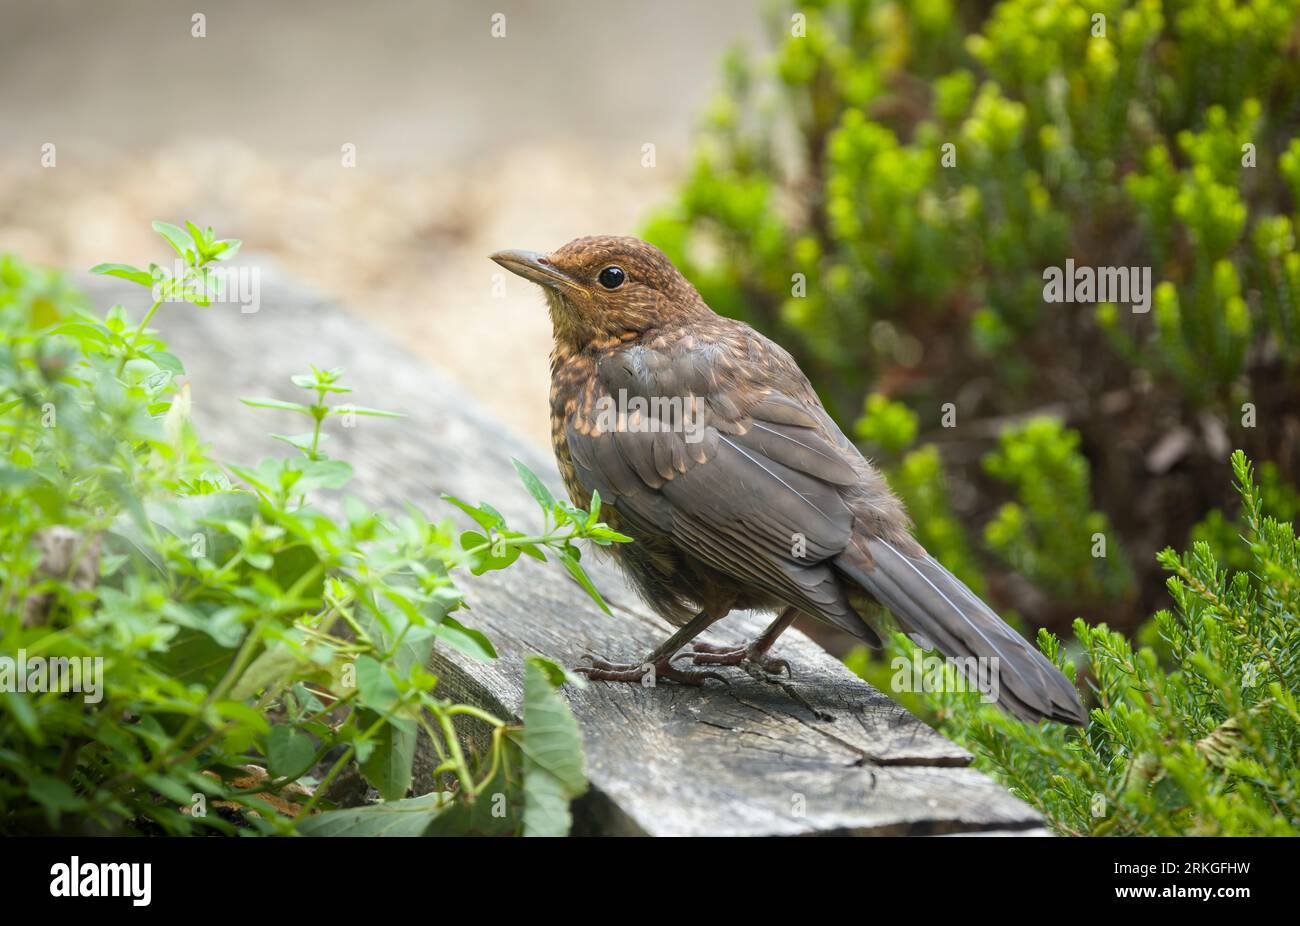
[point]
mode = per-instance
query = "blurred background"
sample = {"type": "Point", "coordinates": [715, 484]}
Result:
{"type": "Point", "coordinates": [877, 185]}
{"type": "Point", "coordinates": [465, 143]}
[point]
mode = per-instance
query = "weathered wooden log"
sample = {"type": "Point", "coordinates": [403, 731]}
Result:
{"type": "Point", "coordinates": [827, 754]}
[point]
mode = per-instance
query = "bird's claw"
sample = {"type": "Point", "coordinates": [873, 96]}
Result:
{"type": "Point", "coordinates": [708, 654]}
{"type": "Point", "coordinates": [647, 673]}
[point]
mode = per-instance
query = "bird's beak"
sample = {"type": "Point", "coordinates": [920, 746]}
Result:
{"type": "Point", "coordinates": [535, 267]}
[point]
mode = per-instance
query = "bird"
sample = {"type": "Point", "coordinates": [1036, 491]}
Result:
{"type": "Point", "coordinates": [709, 447]}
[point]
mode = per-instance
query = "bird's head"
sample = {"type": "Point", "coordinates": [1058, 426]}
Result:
{"type": "Point", "coordinates": [600, 289]}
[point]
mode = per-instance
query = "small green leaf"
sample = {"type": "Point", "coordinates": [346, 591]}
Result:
{"type": "Point", "coordinates": [323, 474]}
{"type": "Point", "coordinates": [314, 382]}
{"type": "Point", "coordinates": [407, 817]}
{"type": "Point", "coordinates": [54, 794]}
{"type": "Point", "coordinates": [248, 717]}
{"type": "Point", "coordinates": [169, 362]}
{"type": "Point", "coordinates": [534, 551]}
{"type": "Point", "coordinates": [485, 515]}
{"type": "Point", "coordinates": [301, 442]}
{"type": "Point", "coordinates": [290, 752]}
{"type": "Point", "coordinates": [16, 476]}
{"type": "Point", "coordinates": [363, 410]}
{"type": "Point", "coordinates": [557, 674]}
{"type": "Point", "coordinates": [471, 540]}
{"type": "Point", "coordinates": [536, 488]}
{"type": "Point", "coordinates": [180, 241]}
{"type": "Point", "coordinates": [582, 578]}
{"type": "Point", "coordinates": [277, 404]}
{"type": "Point", "coordinates": [173, 789]}
{"type": "Point", "coordinates": [85, 331]}
{"type": "Point", "coordinates": [375, 687]}
{"type": "Point", "coordinates": [487, 560]}
{"type": "Point", "coordinates": [200, 237]}
{"type": "Point", "coordinates": [489, 815]}
{"type": "Point", "coordinates": [552, 748]}
{"type": "Point", "coordinates": [20, 708]}
{"type": "Point", "coordinates": [604, 535]}
{"type": "Point", "coordinates": [465, 639]}
{"type": "Point", "coordinates": [125, 272]}
{"type": "Point", "coordinates": [225, 249]}
{"type": "Point", "coordinates": [271, 665]}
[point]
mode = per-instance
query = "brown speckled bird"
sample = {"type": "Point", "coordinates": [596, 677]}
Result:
{"type": "Point", "coordinates": [710, 448]}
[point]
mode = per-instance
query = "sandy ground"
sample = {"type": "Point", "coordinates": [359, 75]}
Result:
{"type": "Point", "coordinates": [465, 144]}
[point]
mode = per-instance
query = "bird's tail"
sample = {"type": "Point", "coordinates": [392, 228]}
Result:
{"type": "Point", "coordinates": [930, 602]}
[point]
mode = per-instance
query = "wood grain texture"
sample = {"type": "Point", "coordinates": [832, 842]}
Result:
{"type": "Point", "coordinates": [744, 759]}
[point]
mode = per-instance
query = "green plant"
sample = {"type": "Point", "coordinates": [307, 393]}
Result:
{"type": "Point", "coordinates": [1050, 534]}
{"type": "Point", "coordinates": [254, 646]}
{"type": "Point", "coordinates": [918, 479]}
{"type": "Point", "coordinates": [1047, 532]}
{"type": "Point", "coordinates": [884, 193]}
{"type": "Point", "coordinates": [1211, 747]}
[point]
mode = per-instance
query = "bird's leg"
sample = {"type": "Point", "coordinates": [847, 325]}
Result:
{"type": "Point", "coordinates": [706, 654]}
{"type": "Point", "coordinates": [658, 664]}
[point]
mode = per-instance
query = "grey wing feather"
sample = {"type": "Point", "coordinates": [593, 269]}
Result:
{"type": "Point", "coordinates": [928, 600]}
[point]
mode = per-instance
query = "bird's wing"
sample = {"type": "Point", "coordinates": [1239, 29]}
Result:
{"type": "Point", "coordinates": [739, 474]}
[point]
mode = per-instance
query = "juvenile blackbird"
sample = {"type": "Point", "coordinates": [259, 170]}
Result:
{"type": "Point", "coordinates": [710, 448]}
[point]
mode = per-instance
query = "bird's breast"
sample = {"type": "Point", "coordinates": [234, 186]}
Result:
{"type": "Point", "coordinates": [572, 391]}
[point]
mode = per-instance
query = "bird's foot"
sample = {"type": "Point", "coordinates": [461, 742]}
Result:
{"type": "Point", "coordinates": [645, 673]}
{"type": "Point", "coordinates": [757, 664]}
{"type": "Point", "coordinates": [706, 654]}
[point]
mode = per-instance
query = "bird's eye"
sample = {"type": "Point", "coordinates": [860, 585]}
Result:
{"type": "Point", "coordinates": [612, 277]}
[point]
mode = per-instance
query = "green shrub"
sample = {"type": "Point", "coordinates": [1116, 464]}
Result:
{"type": "Point", "coordinates": [823, 206]}
{"type": "Point", "coordinates": [1051, 535]}
{"type": "Point", "coordinates": [1209, 748]}
{"type": "Point", "coordinates": [255, 649]}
